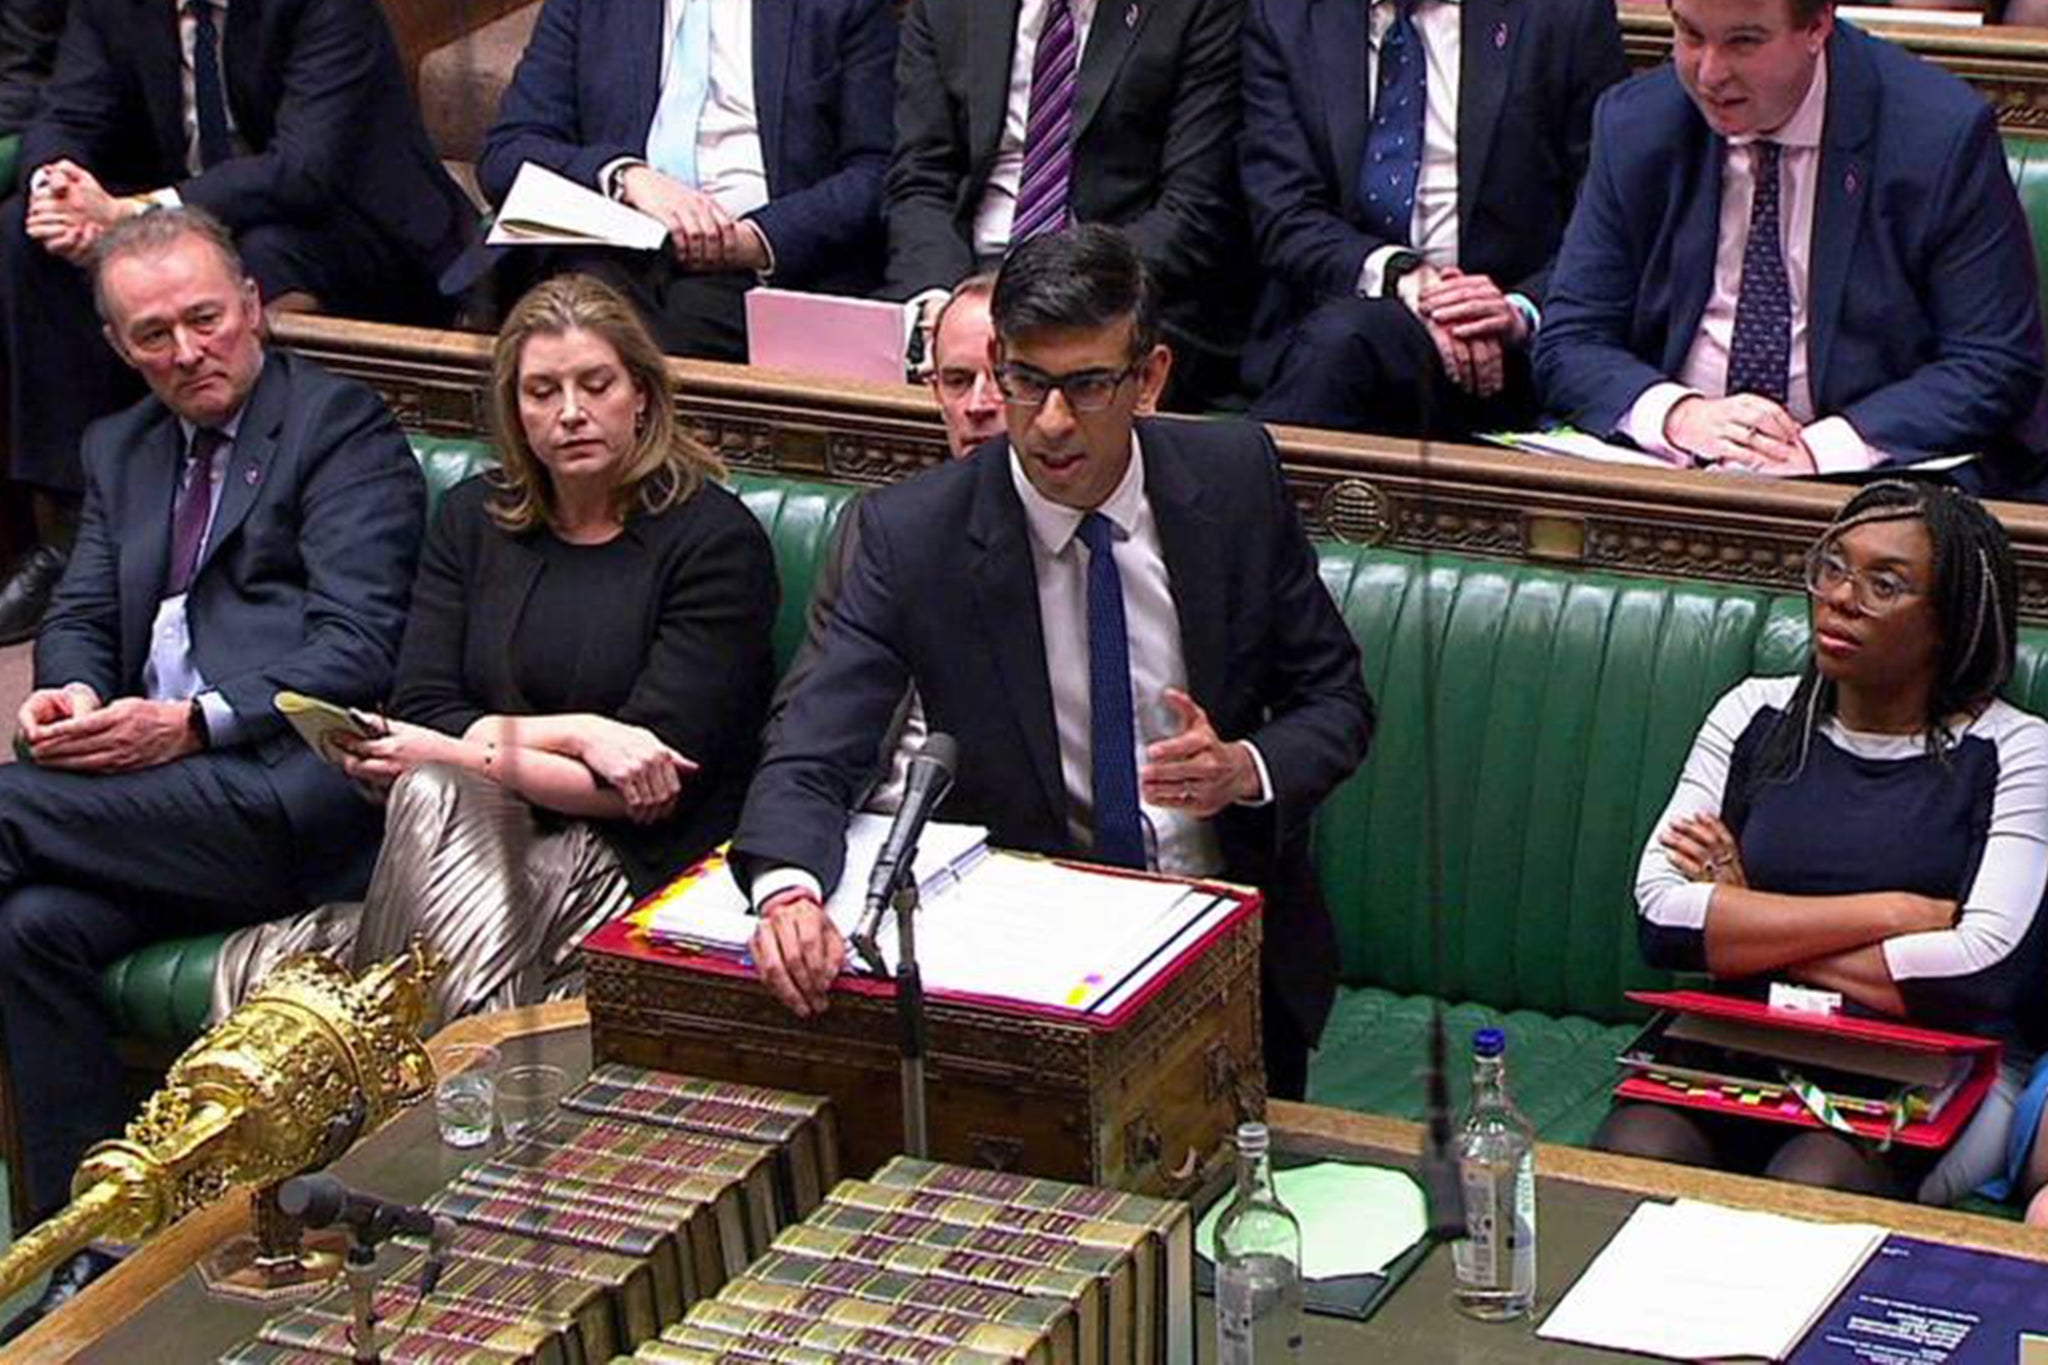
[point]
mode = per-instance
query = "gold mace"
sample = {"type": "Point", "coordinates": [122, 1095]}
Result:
{"type": "Point", "coordinates": [310, 1062]}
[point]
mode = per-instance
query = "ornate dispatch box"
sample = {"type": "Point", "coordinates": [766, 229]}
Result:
{"type": "Point", "coordinates": [1144, 1100]}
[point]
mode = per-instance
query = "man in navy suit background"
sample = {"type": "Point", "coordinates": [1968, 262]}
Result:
{"type": "Point", "coordinates": [288, 120]}
{"type": "Point", "coordinates": [1192, 727]}
{"type": "Point", "coordinates": [1798, 249]}
{"type": "Point", "coordinates": [1407, 240]}
{"type": "Point", "coordinates": [758, 132]}
{"type": "Point", "coordinates": [250, 528]}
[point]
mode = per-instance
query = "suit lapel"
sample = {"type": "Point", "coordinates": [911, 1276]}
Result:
{"type": "Point", "coordinates": [1111, 35]}
{"type": "Point", "coordinates": [1189, 534]}
{"type": "Point", "coordinates": [773, 33]}
{"type": "Point", "coordinates": [1692, 249]}
{"type": "Point", "coordinates": [1006, 598]}
{"type": "Point", "coordinates": [161, 65]}
{"type": "Point", "coordinates": [1839, 201]}
{"type": "Point", "coordinates": [1485, 57]}
{"type": "Point", "coordinates": [991, 36]}
{"type": "Point", "coordinates": [248, 460]}
{"type": "Point", "coordinates": [146, 538]}
{"type": "Point", "coordinates": [1341, 30]}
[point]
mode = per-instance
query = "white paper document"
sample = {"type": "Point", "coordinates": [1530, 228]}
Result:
{"type": "Point", "coordinates": [1000, 925]}
{"type": "Point", "coordinates": [1577, 444]}
{"type": "Point", "coordinates": [546, 209]}
{"type": "Point", "coordinates": [1694, 1281]}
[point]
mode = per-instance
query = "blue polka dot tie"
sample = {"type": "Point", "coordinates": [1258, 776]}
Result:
{"type": "Point", "coordinates": [1393, 145]}
{"type": "Point", "coordinates": [1760, 352]}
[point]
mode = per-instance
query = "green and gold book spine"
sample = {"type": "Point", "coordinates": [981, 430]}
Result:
{"type": "Point", "coordinates": [747, 1163]}
{"type": "Point", "coordinates": [791, 1138]}
{"type": "Point", "coordinates": [270, 1353]}
{"type": "Point", "coordinates": [737, 1318]}
{"type": "Point", "coordinates": [1040, 1346]}
{"type": "Point", "coordinates": [577, 1225]}
{"type": "Point", "coordinates": [572, 1305]}
{"type": "Point", "coordinates": [1030, 1192]}
{"type": "Point", "coordinates": [480, 1323]}
{"type": "Point", "coordinates": [626, 1281]}
{"type": "Point", "coordinates": [816, 1109]}
{"type": "Point", "coordinates": [691, 1229]}
{"type": "Point", "coordinates": [313, 1329]}
{"type": "Point", "coordinates": [987, 1213]}
{"type": "Point", "coordinates": [999, 1272]}
{"type": "Point", "coordinates": [779, 1352]}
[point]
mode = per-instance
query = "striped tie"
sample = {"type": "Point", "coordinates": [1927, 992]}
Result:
{"type": "Point", "coordinates": [1049, 132]}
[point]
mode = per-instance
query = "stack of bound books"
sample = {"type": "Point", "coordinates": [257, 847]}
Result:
{"type": "Point", "coordinates": [641, 1196]}
{"type": "Point", "coordinates": [937, 1263]}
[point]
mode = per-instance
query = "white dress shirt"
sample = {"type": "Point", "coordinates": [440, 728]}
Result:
{"type": "Point", "coordinates": [730, 167]}
{"type": "Point", "coordinates": [1833, 441]}
{"type": "Point", "coordinates": [1175, 841]}
{"type": "Point", "coordinates": [1433, 230]}
{"type": "Point", "coordinates": [998, 207]}
{"type": "Point", "coordinates": [188, 33]}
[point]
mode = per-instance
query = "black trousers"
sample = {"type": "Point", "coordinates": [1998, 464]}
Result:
{"type": "Point", "coordinates": [61, 374]}
{"type": "Point", "coordinates": [701, 317]}
{"type": "Point", "coordinates": [1369, 365]}
{"type": "Point", "coordinates": [93, 867]}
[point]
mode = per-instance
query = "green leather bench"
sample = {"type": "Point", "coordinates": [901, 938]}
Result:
{"type": "Point", "coordinates": [1556, 708]}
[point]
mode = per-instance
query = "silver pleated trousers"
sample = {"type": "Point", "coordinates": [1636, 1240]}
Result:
{"type": "Point", "coordinates": [502, 894]}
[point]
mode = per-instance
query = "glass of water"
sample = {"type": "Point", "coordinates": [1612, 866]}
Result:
{"type": "Point", "coordinates": [527, 1095]}
{"type": "Point", "coordinates": [466, 1094]}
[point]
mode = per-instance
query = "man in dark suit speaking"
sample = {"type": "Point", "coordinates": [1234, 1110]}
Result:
{"type": "Point", "coordinates": [1120, 622]}
{"type": "Point", "coordinates": [1798, 249]}
{"type": "Point", "coordinates": [250, 528]}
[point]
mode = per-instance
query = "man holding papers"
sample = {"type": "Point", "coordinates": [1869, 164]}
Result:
{"type": "Point", "coordinates": [249, 529]}
{"type": "Point", "coordinates": [756, 132]}
{"type": "Point", "coordinates": [1121, 623]}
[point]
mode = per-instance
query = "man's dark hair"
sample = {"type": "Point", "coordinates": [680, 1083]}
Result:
{"type": "Point", "coordinates": [1082, 277]}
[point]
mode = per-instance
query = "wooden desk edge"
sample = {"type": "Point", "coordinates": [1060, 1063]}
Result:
{"type": "Point", "coordinates": [124, 1290]}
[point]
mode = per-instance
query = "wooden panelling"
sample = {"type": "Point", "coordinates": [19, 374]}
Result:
{"type": "Point", "coordinates": [1365, 489]}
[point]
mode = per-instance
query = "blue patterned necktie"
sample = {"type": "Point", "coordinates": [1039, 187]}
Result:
{"type": "Point", "coordinates": [209, 101]}
{"type": "Point", "coordinates": [672, 137]}
{"type": "Point", "coordinates": [1760, 352]}
{"type": "Point", "coordinates": [1393, 145]}
{"type": "Point", "coordinates": [1112, 734]}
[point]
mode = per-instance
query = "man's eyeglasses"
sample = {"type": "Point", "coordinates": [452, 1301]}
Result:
{"type": "Point", "coordinates": [1874, 591]}
{"type": "Point", "coordinates": [1084, 390]}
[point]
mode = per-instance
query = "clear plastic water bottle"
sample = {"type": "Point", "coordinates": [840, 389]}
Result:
{"type": "Point", "coordinates": [1258, 1264]}
{"type": "Point", "coordinates": [1495, 1263]}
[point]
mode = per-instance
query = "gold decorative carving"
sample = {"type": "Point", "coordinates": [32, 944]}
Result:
{"type": "Point", "coordinates": [1354, 511]}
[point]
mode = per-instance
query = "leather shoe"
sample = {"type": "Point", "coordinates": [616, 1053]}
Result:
{"type": "Point", "coordinates": [25, 596]}
{"type": "Point", "coordinates": [67, 1281]}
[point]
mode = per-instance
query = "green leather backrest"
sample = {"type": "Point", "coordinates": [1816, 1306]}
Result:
{"type": "Point", "coordinates": [2026, 156]}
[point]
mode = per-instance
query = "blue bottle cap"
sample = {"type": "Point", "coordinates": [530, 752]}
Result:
{"type": "Point", "coordinates": [1489, 1042]}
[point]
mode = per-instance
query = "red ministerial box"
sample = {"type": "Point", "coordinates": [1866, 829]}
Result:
{"type": "Point", "coordinates": [1983, 1055]}
{"type": "Point", "coordinates": [1142, 1100]}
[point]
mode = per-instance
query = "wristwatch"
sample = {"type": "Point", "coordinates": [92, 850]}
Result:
{"type": "Point", "coordinates": [195, 719]}
{"type": "Point", "coordinates": [1398, 268]}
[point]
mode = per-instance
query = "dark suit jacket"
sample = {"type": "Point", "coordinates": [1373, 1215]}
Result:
{"type": "Point", "coordinates": [956, 612]}
{"type": "Point", "coordinates": [1155, 130]}
{"type": "Point", "coordinates": [302, 585]}
{"type": "Point", "coordinates": [1924, 318]}
{"type": "Point", "coordinates": [696, 612]}
{"type": "Point", "coordinates": [1529, 72]}
{"type": "Point", "coordinates": [586, 89]}
{"type": "Point", "coordinates": [316, 92]}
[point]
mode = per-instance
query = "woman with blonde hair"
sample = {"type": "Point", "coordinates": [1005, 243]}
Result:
{"type": "Point", "coordinates": [583, 677]}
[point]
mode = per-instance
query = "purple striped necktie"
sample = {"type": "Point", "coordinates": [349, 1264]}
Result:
{"type": "Point", "coordinates": [1049, 131]}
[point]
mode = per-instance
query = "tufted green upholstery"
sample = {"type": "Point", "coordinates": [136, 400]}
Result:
{"type": "Point", "coordinates": [2026, 156]}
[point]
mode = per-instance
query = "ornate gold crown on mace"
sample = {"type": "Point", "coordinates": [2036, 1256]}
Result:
{"type": "Point", "coordinates": [309, 1063]}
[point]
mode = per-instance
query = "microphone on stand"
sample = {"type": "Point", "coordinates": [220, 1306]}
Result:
{"type": "Point", "coordinates": [321, 1201]}
{"type": "Point", "coordinates": [929, 778]}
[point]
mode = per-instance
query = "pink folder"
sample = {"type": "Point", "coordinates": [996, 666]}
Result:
{"type": "Point", "coordinates": [825, 335]}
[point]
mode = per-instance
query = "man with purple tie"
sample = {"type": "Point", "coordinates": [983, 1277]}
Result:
{"type": "Point", "coordinates": [1798, 250]}
{"type": "Point", "coordinates": [1017, 117]}
{"type": "Point", "coordinates": [250, 528]}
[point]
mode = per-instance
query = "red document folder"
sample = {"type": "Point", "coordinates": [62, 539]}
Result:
{"type": "Point", "coordinates": [1983, 1054]}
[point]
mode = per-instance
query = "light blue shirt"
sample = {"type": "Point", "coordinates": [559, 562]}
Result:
{"type": "Point", "coordinates": [170, 673]}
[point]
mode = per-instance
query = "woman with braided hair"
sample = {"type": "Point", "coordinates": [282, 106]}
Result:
{"type": "Point", "coordinates": [1876, 825]}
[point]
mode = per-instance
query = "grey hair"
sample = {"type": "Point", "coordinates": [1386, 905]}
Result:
{"type": "Point", "coordinates": [154, 230]}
